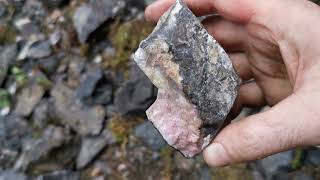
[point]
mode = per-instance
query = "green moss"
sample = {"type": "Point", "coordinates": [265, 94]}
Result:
{"type": "Point", "coordinates": [19, 75]}
{"type": "Point", "coordinates": [234, 172]}
{"type": "Point", "coordinates": [7, 35]}
{"type": "Point", "coordinates": [126, 38]}
{"type": "Point", "coordinates": [44, 82]}
{"type": "Point", "coordinates": [84, 50]}
{"type": "Point", "coordinates": [296, 162]}
{"type": "Point", "coordinates": [166, 155]}
{"type": "Point", "coordinates": [4, 99]}
{"type": "Point", "coordinates": [120, 129]}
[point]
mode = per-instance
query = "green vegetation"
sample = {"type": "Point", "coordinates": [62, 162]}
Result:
{"type": "Point", "coordinates": [19, 75]}
{"type": "Point", "coordinates": [7, 35]}
{"type": "Point", "coordinates": [296, 162]}
{"type": "Point", "coordinates": [166, 154]}
{"type": "Point", "coordinates": [4, 99]}
{"type": "Point", "coordinates": [126, 38]}
{"type": "Point", "coordinates": [44, 82]}
{"type": "Point", "coordinates": [234, 172]}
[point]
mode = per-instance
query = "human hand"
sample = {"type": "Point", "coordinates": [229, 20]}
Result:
{"type": "Point", "coordinates": [276, 43]}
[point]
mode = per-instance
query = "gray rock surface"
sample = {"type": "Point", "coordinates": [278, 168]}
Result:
{"type": "Point", "coordinates": [90, 16]}
{"type": "Point", "coordinates": [83, 119]}
{"type": "Point", "coordinates": [13, 131]}
{"type": "Point", "coordinates": [12, 175]}
{"type": "Point", "coordinates": [40, 115]}
{"type": "Point", "coordinates": [34, 149]}
{"type": "Point", "coordinates": [88, 83]}
{"type": "Point", "coordinates": [91, 146]}
{"type": "Point", "coordinates": [7, 57]}
{"type": "Point", "coordinates": [136, 95]}
{"type": "Point", "coordinates": [196, 80]}
{"type": "Point", "coordinates": [28, 98]}
{"type": "Point", "coordinates": [314, 156]}
{"type": "Point", "coordinates": [272, 164]}
{"type": "Point", "coordinates": [40, 49]}
{"type": "Point", "coordinates": [60, 175]}
{"type": "Point", "coordinates": [302, 176]}
{"type": "Point", "coordinates": [149, 135]}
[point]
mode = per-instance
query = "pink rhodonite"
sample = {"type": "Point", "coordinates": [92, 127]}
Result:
{"type": "Point", "coordinates": [175, 117]}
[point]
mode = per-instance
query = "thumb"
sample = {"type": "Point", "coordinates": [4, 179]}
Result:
{"type": "Point", "coordinates": [289, 124]}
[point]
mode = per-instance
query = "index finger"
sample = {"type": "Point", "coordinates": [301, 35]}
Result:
{"type": "Point", "coordinates": [199, 8]}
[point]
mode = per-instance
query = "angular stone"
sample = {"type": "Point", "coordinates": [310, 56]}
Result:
{"type": "Point", "coordinates": [273, 164]}
{"type": "Point", "coordinates": [149, 135]}
{"type": "Point", "coordinates": [90, 16]}
{"type": "Point", "coordinates": [34, 149]}
{"type": "Point", "coordinates": [85, 120]}
{"type": "Point", "coordinates": [7, 57]}
{"type": "Point", "coordinates": [40, 49]}
{"type": "Point", "coordinates": [91, 146]}
{"type": "Point", "coordinates": [28, 98]}
{"type": "Point", "coordinates": [88, 83]}
{"type": "Point", "coordinates": [195, 77]}
{"type": "Point", "coordinates": [136, 94]}
{"type": "Point", "coordinates": [13, 131]}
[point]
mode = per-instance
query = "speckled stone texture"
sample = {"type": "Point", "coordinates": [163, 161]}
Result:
{"type": "Point", "coordinates": [195, 77]}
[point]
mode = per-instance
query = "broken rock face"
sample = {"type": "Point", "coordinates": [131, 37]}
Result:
{"type": "Point", "coordinates": [195, 77]}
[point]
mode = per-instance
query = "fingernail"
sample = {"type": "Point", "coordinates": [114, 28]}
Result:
{"type": "Point", "coordinates": [215, 155]}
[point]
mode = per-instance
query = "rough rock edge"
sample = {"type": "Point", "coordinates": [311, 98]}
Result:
{"type": "Point", "coordinates": [189, 108]}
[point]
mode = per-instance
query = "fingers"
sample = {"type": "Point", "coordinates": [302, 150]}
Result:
{"type": "Point", "coordinates": [232, 36]}
{"type": "Point", "coordinates": [238, 11]}
{"type": "Point", "coordinates": [287, 125]}
{"type": "Point", "coordinates": [235, 10]}
{"type": "Point", "coordinates": [241, 65]}
{"type": "Point", "coordinates": [200, 8]}
{"type": "Point", "coordinates": [249, 95]}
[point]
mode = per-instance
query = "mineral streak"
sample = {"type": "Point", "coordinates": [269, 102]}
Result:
{"type": "Point", "coordinates": [195, 77]}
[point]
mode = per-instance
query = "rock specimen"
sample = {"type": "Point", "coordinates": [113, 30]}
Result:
{"type": "Point", "coordinates": [195, 77]}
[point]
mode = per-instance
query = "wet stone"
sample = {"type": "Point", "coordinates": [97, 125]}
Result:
{"type": "Point", "coordinates": [149, 135]}
{"type": "Point", "coordinates": [195, 77]}
{"type": "Point", "coordinates": [90, 16]}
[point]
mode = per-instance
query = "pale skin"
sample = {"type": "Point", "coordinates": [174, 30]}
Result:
{"type": "Point", "coordinates": [276, 45]}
